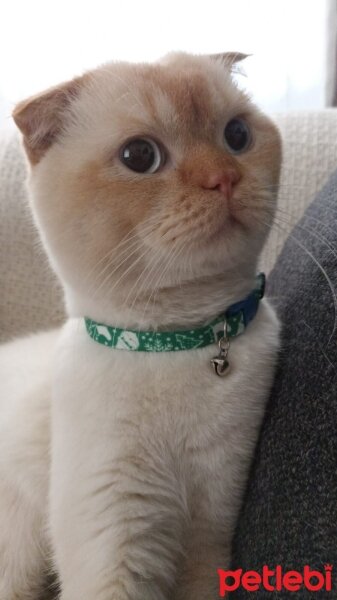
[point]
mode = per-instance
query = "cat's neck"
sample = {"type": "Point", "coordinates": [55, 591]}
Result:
{"type": "Point", "coordinates": [190, 304]}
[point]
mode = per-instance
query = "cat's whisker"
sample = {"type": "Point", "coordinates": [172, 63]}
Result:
{"type": "Point", "coordinates": [151, 274]}
{"type": "Point", "coordinates": [152, 263]}
{"type": "Point", "coordinates": [133, 264]}
{"type": "Point", "coordinates": [275, 208]}
{"type": "Point", "coordinates": [282, 185]}
{"type": "Point", "coordinates": [292, 221]}
{"type": "Point", "coordinates": [332, 208]}
{"type": "Point", "coordinates": [283, 220]}
{"type": "Point", "coordinates": [144, 277]}
{"type": "Point", "coordinates": [320, 222]}
{"type": "Point", "coordinates": [106, 280]}
{"type": "Point", "coordinates": [170, 262]}
{"type": "Point", "coordinates": [131, 249]}
{"type": "Point", "coordinates": [317, 235]}
{"type": "Point", "coordinates": [123, 258]}
{"type": "Point", "coordinates": [113, 251]}
{"type": "Point", "coordinates": [320, 347]}
{"type": "Point", "coordinates": [314, 259]}
{"type": "Point", "coordinates": [189, 260]}
{"type": "Point", "coordinates": [150, 267]}
{"type": "Point", "coordinates": [160, 277]}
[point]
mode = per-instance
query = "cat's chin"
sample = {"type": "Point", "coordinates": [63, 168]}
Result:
{"type": "Point", "coordinates": [184, 298]}
{"type": "Point", "coordinates": [231, 227]}
{"type": "Point", "coordinates": [230, 240]}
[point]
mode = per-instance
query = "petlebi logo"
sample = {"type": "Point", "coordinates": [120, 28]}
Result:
{"type": "Point", "coordinates": [275, 580]}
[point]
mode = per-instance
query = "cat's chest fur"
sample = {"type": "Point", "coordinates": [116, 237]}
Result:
{"type": "Point", "coordinates": [171, 400]}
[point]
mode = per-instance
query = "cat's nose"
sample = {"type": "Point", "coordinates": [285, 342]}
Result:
{"type": "Point", "coordinates": [223, 182]}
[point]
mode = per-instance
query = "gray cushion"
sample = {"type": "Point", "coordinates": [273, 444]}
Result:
{"type": "Point", "coordinates": [289, 515]}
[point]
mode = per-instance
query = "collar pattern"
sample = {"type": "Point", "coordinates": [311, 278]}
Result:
{"type": "Point", "coordinates": [236, 317]}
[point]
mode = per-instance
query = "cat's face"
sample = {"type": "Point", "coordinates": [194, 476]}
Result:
{"type": "Point", "coordinates": [164, 170]}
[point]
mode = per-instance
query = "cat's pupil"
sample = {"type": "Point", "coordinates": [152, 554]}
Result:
{"type": "Point", "coordinates": [139, 155]}
{"type": "Point", "coordinates": [237, 135]}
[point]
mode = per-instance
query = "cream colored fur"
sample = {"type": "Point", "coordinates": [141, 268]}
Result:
{"type": "Point", "coordinates": [125, 470]}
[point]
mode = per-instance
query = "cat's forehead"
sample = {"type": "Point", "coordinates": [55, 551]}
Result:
{"type": "Point", "coordinates": [179, 97]}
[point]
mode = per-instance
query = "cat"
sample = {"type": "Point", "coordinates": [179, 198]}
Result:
{"type": "Point", "coordinates": [153, 187]}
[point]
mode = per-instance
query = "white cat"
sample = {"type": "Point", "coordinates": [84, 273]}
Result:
{"type": "Point", "coordinates": [122, 468]}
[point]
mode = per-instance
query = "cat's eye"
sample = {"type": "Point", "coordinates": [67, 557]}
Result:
{"type": "Point", "coordinates": [141, 155]}
{"type": "Point", "coordinates": [237, 135]}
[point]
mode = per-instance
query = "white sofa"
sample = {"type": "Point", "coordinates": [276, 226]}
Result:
{"type": "Point", "coordinates": [30, 296]}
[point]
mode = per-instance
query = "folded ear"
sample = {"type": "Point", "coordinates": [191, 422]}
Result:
{"type": "Point", "coordinates": [41, 118]}
{"type": "Point", "coordinates": [229, 59]}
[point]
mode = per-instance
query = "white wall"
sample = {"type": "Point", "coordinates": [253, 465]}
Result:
{"type": "Point", "coordinates": [44, 42]}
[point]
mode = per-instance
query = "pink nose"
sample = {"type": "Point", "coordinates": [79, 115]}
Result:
{"type": "Point", "coordinates": [221, 181]}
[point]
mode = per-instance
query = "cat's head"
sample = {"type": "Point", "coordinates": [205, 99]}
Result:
{"type": "Point", "coordinates": [150, 175]}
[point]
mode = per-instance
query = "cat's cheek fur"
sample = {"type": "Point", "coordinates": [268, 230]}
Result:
{"type": "Point", "coordinates": [135, 436]}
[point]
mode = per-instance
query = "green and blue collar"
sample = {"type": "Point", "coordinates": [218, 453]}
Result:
{"type": "Point", "coordinates": [230, 324]}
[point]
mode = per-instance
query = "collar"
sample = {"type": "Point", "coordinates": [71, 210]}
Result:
{"type": "Point", "coordinates": [233, 321]}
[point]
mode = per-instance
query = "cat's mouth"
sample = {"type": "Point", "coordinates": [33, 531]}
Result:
{"type": "Point", "coordinates": [232, 223]}
{"type": "Point", "coordinates": [246, 215]}
{"type": "Point", "coordinates": [235, 216]}
{"type": "Point", "coordinates": [210, 223]}
{"type": "Point", "coordinates": [232, 214]}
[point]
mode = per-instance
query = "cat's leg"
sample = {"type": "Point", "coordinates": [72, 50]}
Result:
{"type": "Point", "coordinates": [23, 548]}
{"type": "Point", "coordinates": [118, 530]}
{"type": "Point", "coordinates": [214, 509]}
{"type": "Point", "coordinates": [206, 554]}
{"type": "Point", "coordinates": [24, 466]}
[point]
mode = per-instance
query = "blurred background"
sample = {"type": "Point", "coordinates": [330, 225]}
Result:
{"type": "Point", "coordinates": [292, 42]}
